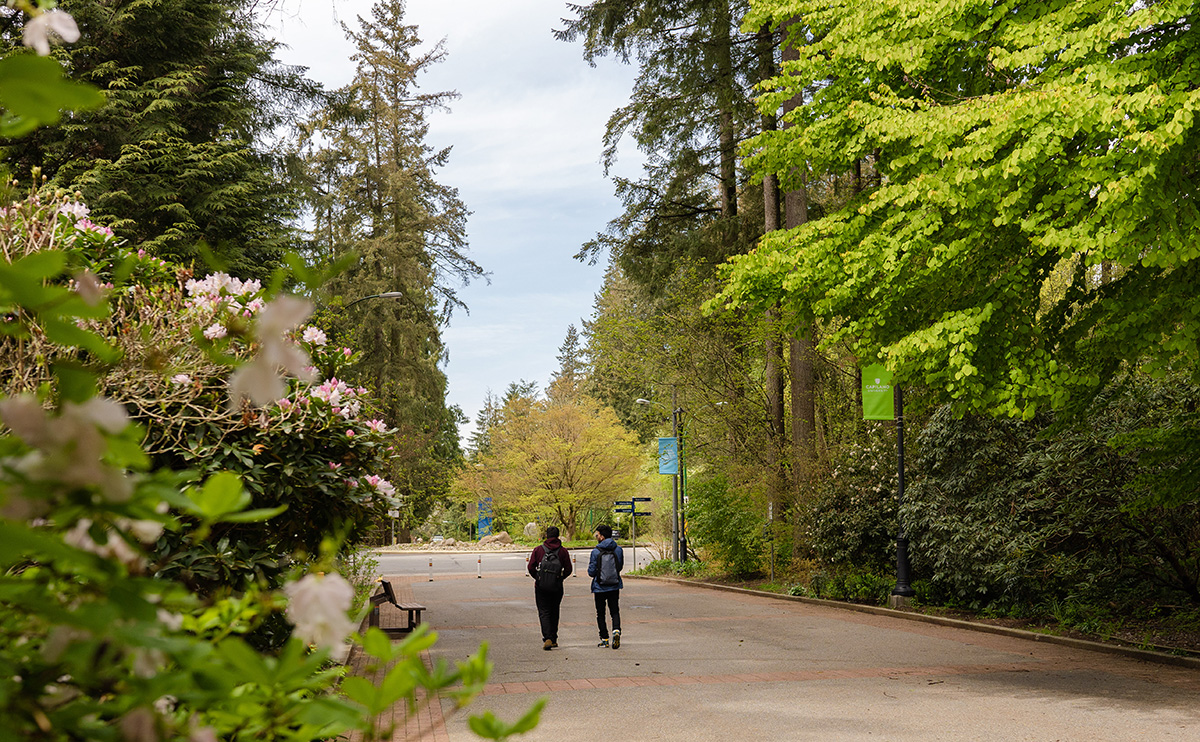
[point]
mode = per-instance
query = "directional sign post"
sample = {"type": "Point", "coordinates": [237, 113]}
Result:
{"type": "Point", "coordinates": [630, 506]}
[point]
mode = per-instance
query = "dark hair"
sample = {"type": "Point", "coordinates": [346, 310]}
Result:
{"type": "Point", "coordinates": [604, 530]}
{"type": "Point", "coordinates": [551, 531]}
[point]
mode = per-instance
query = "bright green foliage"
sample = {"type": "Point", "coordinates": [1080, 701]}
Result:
{"type": "Point", "coordinates": [555, 461]}
{"type": "Point", "coordinates": [1035, 227]}
{"type": "Point", "coordinates": [178, 155]}
{"type": "Point", "coordinates": [729, 523]}
{"type": "Point", "coordinates": [33, 93]}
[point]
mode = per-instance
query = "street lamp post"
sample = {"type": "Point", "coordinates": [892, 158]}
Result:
{"type": "Point", "coordinates": [384, 295]}
{"type": "Point", "coordinates": [678, 483]}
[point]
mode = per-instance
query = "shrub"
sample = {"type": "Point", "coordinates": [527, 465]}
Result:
{"type": "Point", "coordinates": [726, 523]}
{"type": "Point", "coordinates": [853, 516]}
{"type": "Point", "coordinates": [1010, 513]}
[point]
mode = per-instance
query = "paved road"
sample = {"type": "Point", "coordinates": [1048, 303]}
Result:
{"type": "Point", "coordinates": [697, 665]}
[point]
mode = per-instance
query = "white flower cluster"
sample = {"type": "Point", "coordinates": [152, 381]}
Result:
{"type": "Point", "coordinates": [260, 380]}
{"type": "Point", "coordinates": [314, 336]}
{"type": "Point", "coordinates": [318, 606]}
{"type": "Point", "coordinates": [38, 29]}
{"type": "Point", "coordinates": [219, 290]}
{"type": "Point", "coordinates": [115, 546]}
{"type": "Point", "coordinates": [75, 209]}
{"type": "Point", "coordinates": [69, 448]}
{"type": "Point", "coordinates": [341, 396]}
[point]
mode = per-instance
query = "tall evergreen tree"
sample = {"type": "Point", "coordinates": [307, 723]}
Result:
{"type": "Point", "coordinates": [690, 108]}
{"type": "Point", "coordinates": [569, 379]}
{"type": "Point", "coordinates": [180, 153]}
{"type": "Point", "coordinates": [376, 198]}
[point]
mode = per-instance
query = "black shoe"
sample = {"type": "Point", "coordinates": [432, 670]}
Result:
{"type": "Point", "coordinates": [603, 643]}
{"type": "Point", "coordinates": [616, 642]}
{"type": "Point", "coordinates": [553, 644]}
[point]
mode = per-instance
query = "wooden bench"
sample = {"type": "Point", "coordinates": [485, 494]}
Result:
{"type": "Point", "coordinates": [387, 595]}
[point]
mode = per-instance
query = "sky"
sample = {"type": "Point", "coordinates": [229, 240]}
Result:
{"type": "Point", "coordinates": [527, 135]}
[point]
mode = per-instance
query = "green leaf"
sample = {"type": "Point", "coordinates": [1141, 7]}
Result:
{"type": "Point", "coordinates": [42, 264]}
{"type": "Point", "coordinates": [363, 691]}
{"type": "Point", "coordinates": [33, 93]}
{"type": "Point", "coordinates": [221, 495]}
{"type": "Point", "coordinates": [76, 382]}
{"type": "Point", "coordinates": [67, 333]}
{"type": "Point", "coordinates": [250, 664]}
{"type": "Point", "coordinates": [253, 516]}
{"type": "Point", "coordinates": [489, 727]}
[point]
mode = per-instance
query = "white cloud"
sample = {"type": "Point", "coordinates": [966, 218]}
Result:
{"type": "Point", "coordinates": [527, 137]}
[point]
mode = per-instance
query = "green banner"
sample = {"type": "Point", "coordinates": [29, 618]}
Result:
{"type": "Point", "coordinates": [879, 401]}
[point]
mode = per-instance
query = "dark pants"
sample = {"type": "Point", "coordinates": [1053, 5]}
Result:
{"type": "Point", "coordinates": [611, 599]}
{"type": "Point", "coordinates": [548, 604]}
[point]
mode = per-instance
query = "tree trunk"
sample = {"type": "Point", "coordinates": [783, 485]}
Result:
{"type": "Point", "coordinates": [773, 374]}
{"type": "Point", "coordinates": [801, 355]}
{"type": "Point", "coordinates": [723, 40]}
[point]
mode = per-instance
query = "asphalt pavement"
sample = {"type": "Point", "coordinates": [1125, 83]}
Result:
{"type": "Point", "coordinates": [697, 664]}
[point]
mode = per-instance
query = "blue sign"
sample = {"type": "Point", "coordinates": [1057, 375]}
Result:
{"type": "Point", "coordinates": [668, 456]}
{"type": "Point", "coordinates": [484, 527]}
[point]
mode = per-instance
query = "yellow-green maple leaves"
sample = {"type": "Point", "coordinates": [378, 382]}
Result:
{"type": "Point", "coordinates": [1035, 225]}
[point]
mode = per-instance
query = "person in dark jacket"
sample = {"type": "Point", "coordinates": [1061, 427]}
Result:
{"type": "Point", "coordinates": [548, 588]}
{"type": "Point", "coordinates": [606, 587]}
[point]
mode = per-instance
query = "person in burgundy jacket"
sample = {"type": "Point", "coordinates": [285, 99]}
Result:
{"type": "Point", "coordinates": [549, 565]}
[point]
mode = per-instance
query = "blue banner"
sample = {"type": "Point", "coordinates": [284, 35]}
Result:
{"type": "Point", "coordinates": [484, 525]}
{"type": "Point", "coordinates": [668, 456]}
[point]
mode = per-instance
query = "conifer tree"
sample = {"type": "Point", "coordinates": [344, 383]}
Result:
{"type": "Point", "coordinates": [179, 155]}
{"type": "Point", "coordinates": [376, 198]}
{"type": "Point", "coordinates": [690, 108]}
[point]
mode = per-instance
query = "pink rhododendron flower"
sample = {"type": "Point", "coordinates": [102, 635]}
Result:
{"type": "Point", "coordinates": [349, 433]}
{"type": "Point", "coordinates": [381, 485]}
{"type": "Point", "coordinates": [215, 331]}
{"type": "Point", "coordinates": [181, 379]}
{"type": "Point", "coordinates": [377, 426]}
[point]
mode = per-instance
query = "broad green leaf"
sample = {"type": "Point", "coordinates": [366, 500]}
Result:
{"type": "Point", "coordinates": [34, 93]}
{"type": "Point", "coordinates": [253, 516]}
{"type": "Point", "coordinates": [76, 382]}
{"type": "Point", "coordinates": [220, 495]}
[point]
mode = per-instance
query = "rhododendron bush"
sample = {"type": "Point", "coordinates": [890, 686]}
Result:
{"type": "Point", "coordinates": [306, 448]}
{"type": "Point", "coordinates": [160, 481]}
{"type": "Point", "coordinates": [173, 477]}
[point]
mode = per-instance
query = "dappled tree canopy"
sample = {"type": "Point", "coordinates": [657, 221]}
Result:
{"type": "Point", "coordinates": [1035, 228]}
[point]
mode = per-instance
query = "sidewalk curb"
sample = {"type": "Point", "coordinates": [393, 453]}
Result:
{"type": "Point", "coordinates": [1130, 652]}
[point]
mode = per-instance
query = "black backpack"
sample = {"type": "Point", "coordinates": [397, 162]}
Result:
{"type": "Point", "coordinates": [607, 574]}
{"type": "Point", "coordinates": [549, 570]}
